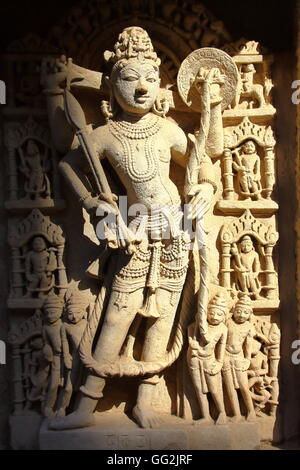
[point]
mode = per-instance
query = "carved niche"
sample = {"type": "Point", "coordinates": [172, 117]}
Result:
{"type": "Point", "coordinates": [30, 365]}
{"type": "Point", "coordinates": [248, 169]}
{"type": "Point", "coordinates": [247, 264]}
{"type": "Point", "coordinates": [33, 180]}
{"type": "Point", "coordinates": [37, 248]}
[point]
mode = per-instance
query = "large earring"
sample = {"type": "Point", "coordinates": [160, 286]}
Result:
{"type": "Point", "coordinates": [161, 107]}
{"type": "Point", "coordinates": [106, 109]}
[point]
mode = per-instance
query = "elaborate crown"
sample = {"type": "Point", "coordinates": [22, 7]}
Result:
{"type": "Point", "coordinates": [133, 42]}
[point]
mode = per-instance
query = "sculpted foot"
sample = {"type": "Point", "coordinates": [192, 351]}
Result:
{"type": "Point", "coordinates": [72, 421]}
{"type": "Point", "coordinates": [146, 417]}
{"type": "Point", "coordinates": [236, 419]}
{"type": "Point", "coordinates": [61, 413]}
{"type": "Point", "coordinates": [222, 419]}
{"type": "Point", "coordinates": [49, 413]}
{"type": "Point", "coordinates": [204, 421]}
{"type": "Point", "coordinates": [251, 417]}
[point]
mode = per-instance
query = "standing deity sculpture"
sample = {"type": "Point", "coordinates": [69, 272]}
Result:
{"type": "Point", "coordinates": [205, 359]}
{"type": "Point", "coordinates": [237, 358]}
{"type": "Point", "coordinates": [52, 324]}
{"type": "Point", "coordinates": [246, 266]}
{"type": "Point", "coordinates": [247, 166]}
{"type": "Point", "coordinates": [33, 167]}
{"type": "Point", "coordinates": [146, 275]}
{"type": "Point", "coordinates": [40, 265]}
{"type": "Point", "coordinates": [71, 333]}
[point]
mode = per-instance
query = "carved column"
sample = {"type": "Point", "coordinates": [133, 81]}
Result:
{"type": "Point", "coordinates": [228, 175]}
{"type": "Point", "coordinates": [269, 171]}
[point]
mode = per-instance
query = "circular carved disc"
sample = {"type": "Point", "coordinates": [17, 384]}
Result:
{"type": "Point", "coordinates": [207, 57]}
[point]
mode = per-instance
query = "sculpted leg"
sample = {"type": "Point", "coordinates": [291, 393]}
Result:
{"type": "Point", "coordinates": [244, 387]}
{"type": "Point", "coordinates": [232, 395]}
{"type": "Point", "coordinates": [216, 390]}
{"type": "Point", "coordinates": [195, 372]}
{"type": "Point", "coordinates": [111, 339]}
{"type": "Point", "coordinates": [155, 346]}
{"type": "Point", "coordinates": [53, 387]}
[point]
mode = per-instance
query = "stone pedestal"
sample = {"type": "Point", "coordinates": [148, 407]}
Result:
{"type": "Point", "coordinates": [115, 431]}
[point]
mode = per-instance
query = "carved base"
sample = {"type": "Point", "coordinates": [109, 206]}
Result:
{"type": "Point", "coordinates": [24, 431]}
{"type": "Point", "coordinates": [47, 205]}
{"type": "Point", "coordinates": [115, 431]}
{"type": "Point", "coordinates": [237, 208]}
{"type": "Point", "coordinates": [266, 112]}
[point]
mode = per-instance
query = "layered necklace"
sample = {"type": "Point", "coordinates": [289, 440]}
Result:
{"type": "Point", "coordinates": [136, 131]}
{"type": "Point", "coordinates": [126, 133]}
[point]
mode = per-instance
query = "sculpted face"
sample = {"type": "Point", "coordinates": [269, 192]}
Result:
{"type": "Point", "coordinates": [52, 314]}
{"type": "Point", "coordinates": [249, 147]}
{"type": "Point", "coordinates": [75, 314]}
{"type": "Point", "coordinates": [215, 315]}
{"type": "Point", "coordinates": [136, 86]}
{"type": "Point", "coordinates": [39, 244]}
{"type": "Point", "coordinates": [246, 245]}
{"type": "Point", "coordinates": [241, 314]}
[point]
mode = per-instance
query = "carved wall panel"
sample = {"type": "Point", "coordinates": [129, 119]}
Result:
{"type": "Point", "coordinates": [194, 333]}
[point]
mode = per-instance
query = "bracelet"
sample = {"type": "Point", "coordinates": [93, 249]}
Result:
{"type": "Point", "coordinates": [206, 180]}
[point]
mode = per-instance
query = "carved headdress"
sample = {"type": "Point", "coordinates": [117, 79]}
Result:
{"type": "Point", "coordinates": [53, 301]}
{"type": "Point", "coordinates": [244, 301]}
{"type": "Point", "coordinates": [74, 299]}
{"type": "Point", "coordinates": [219, 301]}
{"type": "Point", "coordinates": [133, 43]}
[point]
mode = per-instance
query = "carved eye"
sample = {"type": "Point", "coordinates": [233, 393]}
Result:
{"type": "Point", "coordinates": [151, 79]}
{"type": "Point", "coordinates": [130, 78]}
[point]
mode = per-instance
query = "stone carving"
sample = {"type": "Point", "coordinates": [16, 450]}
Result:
{"type": "Point", "coordinates": [37, 260]}
{"type": "Point", "coordinates": [237, 359]}
{"type": "Point", "coordinates": [32, 164]}
{"type": "Point", "coordinates": [205, 360]}
{"type": "Point", "coordinates": [267, 334]}
{"type": "Point", "coordinates": [253, 92]}
{"type": "Point", "coordinates": [246, 258]}
{"type": "Point", "coordinates": [52, 326]}
{"type": "Point", "coordinates": [258, 382]}
{"type": "Point", "coordinates": [30, 364]}
{"type": "Point", "coordinates": [247, 166]}
{"type": "Point", "coordinates": [254, 84]}
{"type": "Point", "coordinates": [190, 25]}
{"type": "Point", "coordinates": [248, 169]}
{"type": "Point", "coordinates": [73, 327]}
{"type": "Point", "coordinates": [246, 267]}
{"type": "Point", "coordinates": [145, 279]}
{"type": "Point", "coordinates": [190, 75]}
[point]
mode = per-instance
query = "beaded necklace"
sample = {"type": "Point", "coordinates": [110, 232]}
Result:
{"type": "Point", "coordinates": [125, 133]}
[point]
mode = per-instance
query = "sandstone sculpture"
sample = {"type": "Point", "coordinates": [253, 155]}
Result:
{"type": "Point", "coordinates": [196, 162]}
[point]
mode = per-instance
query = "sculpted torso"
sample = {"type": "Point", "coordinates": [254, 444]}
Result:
{"type": "Point", "coordinates": [214, 336]}
{"type": "Point", "coordinates": [237, 333]}
{"type": "Point", "coordinates": [143, 165]}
